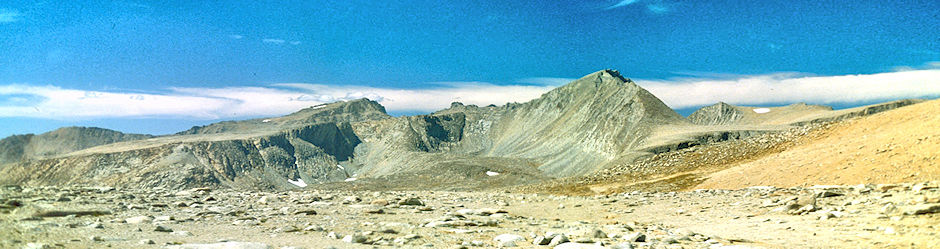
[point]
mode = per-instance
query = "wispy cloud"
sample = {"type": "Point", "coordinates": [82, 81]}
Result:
{"type": "Point", "coordinates": [273, 41]}
{"type": "Point", "coordinates": [658, 8]}
{"type": "Point", "coordinates": [236, 37]}
{"type": "Point", "coordinates": [279, 99]}
{"type": "Point", "coordinates": [295, 43]}
{"type": "Point", "coordinates": [9, 15]}
{"type": "Point", "coordinates": [546, 81]}
{"type": "Point", "coordinates": [795, 87]}
{"type": "Point", "coordinates": [621, 4]}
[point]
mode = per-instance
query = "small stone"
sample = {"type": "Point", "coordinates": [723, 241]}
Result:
{"type": "Point", "coordinates": [351, 199]}
{"type": "Point", "coordinates": [333, 235]}
{"type": "Point", "coordinates": [305, 212]}
{"type": "Point", "coordinates": [508, 240]}
{"type": "Point", "coordinates": [635, 237]}
{"type": "Point", "coordinates": [147, 242]}
{"type": "Point", "coordinates": [162, 229]}
{"type": "Point", "coordinates": [597, 233]}
{"type": "Point", "coordinates": [359, 239]}
{"type": "Point", "coordinates": [138, 220]}
{"type": "Point", "coordinates": [379, 202]}
{"type": "Point", "coordinates": [316, 228]}
{"type": "Point", "coordinates": [182, 233]}
{"type": "Point", "coordinates": [411, 202]}
{"type": "Point", "coordinates": [558, 240]}
{"type": "Point", "coordinates": [163, 218]}
{"type": "Point", "coordinates": [37, 246]}
{"type": "Point", "coordinates": [541, 241]}
{"type": "Point", "coordinates": [624, 245]}
{"type": "Point", "coordinates": [96, 225]}
{"type": "Point", "coordinates": [96, 238]}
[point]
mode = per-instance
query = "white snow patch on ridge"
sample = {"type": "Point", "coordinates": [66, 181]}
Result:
{"type": "Point", "coordinates": [491, 173]}
{"type": "Point", "coordinates": [299, 182]}
{"type": "Point", "coordinates": [762, 110]}
{"type": "Point", "coordinates": [350, 179]}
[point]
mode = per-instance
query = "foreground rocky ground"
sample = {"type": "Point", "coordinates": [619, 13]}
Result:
{"type": "Point", "coordinates": [863, 216]}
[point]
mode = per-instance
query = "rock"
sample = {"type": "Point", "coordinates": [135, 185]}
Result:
{"type": "Point", "coordinates": [411, 202]}
{"type": "Point", "coordinates": [147, 242]}
{"type": "Point", "coordinates": [889, 209]}
{"type": "Point", "coordinates": [922, 209]}
{"type": "Point", "coordinates": [162, 229]}
{"type": "Point", "coordinates": [182, 233]}
{"type": "Point", "coordinates": [351, 199]}
{"type": "Point", "coordinates": [624, 245]}
{"type": "Point", "coordinates": [597, 233]}
{"type": "Point", "coordinates": [373, 210]}
{"type": "Point", "coordinates": [96, 225]}
{"type": "Point", "coordinates": [379, 202]}
{"type": "Point", "coordinates": [541, 241]}
{"type": "Point", "coordinates": [508, 240]}
{"type": "Point", "coordinates": [558, 240]}
{"type": "Point", "coordinates": [635, 237]}
{"type": "Point", "coordinates": [316, 228]}
{"type": "Point", "coordinates": [95, 238]}
{"type": "Point", "coordinates": [267, 199]}
{"type": "Point", "coordinates": [138, 220]}
{"type": "Point", "coordinates": [886, 187]}
{"type": "Point", "coordinates": [222, 245]}
{"type": "Point", "coordinates": [827, 193]}
{"type": "Point", "coordinates": [359, 239]}
{"type": "Point", "coordinates": [306, 212]}
{"type": "Point", "coordinates": [37, 246]}
{"type": "Point", "coordinates": [333, 235]}
{"type": "Point", "coordinates": [163, 218]}
{"type": "Point", "coordinates": [572, 245]}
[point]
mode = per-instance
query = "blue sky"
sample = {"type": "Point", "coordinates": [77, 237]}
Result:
{"type": "Point", "coordinates": [162, 66]}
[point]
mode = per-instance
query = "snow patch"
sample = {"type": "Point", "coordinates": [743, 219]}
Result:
{"type": "Point", "coordinates": [492, 173]}
{"type": "Point", "coordinates": [762, 110]}
{"type": "Point", "coordinates": [299, 182]}
{"type": "Point", "coordinates": [265, 121]}
{"type": "Point", "coordinates": [340, 167]}
{"type": "Point", "coordinates": [350, 179]}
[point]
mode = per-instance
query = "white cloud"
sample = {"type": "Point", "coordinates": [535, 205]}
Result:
{"type": "Point", "coordinates": [793, 87]}
{"type": "Point", "coordinates": [9, 15]}
{"type": "Point", "coordinates": [234, 102]}
{"type": "Point", "coordinates": [621, 4]}
{"type": "Point", "coordinates": [279, 99]}
{"type": "Point", "coordinates": [236, 37]}
{"type": "Point", "coordinates": [273, 41]}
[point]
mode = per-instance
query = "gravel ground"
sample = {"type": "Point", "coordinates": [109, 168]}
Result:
{"type": "Point", "coordinates": [862, 216]}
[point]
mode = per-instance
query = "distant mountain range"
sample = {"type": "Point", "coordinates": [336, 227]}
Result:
{"type": "Point", "coordinates": [589, 124]}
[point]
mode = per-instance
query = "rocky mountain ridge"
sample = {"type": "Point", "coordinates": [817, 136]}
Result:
{"type": "Point", "coordinates": [599, 121]}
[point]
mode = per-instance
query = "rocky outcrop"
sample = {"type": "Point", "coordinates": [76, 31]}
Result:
{"type": "Point", "coordinates": [718, 114]}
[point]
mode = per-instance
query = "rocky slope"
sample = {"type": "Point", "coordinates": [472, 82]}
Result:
{"type": "Point", "coordinates": [901, 145]}
{"type": "Point", "coordinates": [58, 142]}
